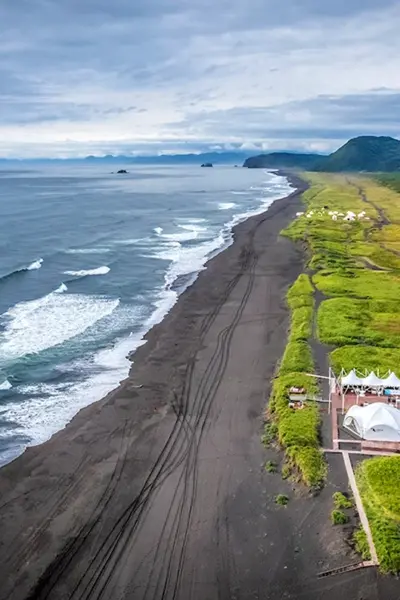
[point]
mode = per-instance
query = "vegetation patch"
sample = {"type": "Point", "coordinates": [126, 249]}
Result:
{"type": "Point", "coordinates": [343, 321]}
{"type": "Point", "coordinates": [297, 357]}
{"type": "Point", "coordinates": [361, 544]}
{"type": "Point", "coordinates": [341, 501]}
{"type": "Point", "coordinates": [271, 467]}
{"type": "Point", "coordinates": [282, 499]}
{"type": "Point", "coordinates": [378, 482]}
{"type": "Point", "coordinates": [286, 471]}
{"type": "Point", "coordinates": [370, 358]}
{"type": "Point", "coordinates": [270, 433]}
{"type": "Point", "coordinates": [338, 517]}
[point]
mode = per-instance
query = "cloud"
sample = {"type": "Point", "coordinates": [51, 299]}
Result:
{"type": "Point", "coordinates": [77, 76]}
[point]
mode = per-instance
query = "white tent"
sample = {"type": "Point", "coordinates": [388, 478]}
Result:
{"type": "Point", "coordinates": [377, 421]}
{"type": "Point", "coordinates": [351, 379]}
{"type": "Point", "coordinates": [392, 381]}
{"type": "Point", "coordinates": [372, 381]}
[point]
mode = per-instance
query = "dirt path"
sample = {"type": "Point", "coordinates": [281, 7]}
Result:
{"type": "Point", "coordinates": [159, 492]}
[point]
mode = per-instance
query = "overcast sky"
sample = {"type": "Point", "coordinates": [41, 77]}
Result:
{"type": "Point", "coordinates": [95, 76]}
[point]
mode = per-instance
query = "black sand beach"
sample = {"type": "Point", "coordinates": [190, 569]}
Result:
{"type": "Point", "coordinates": [159, 491]}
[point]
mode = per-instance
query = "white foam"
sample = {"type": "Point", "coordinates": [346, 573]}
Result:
{"type": "Point", "coordinates": [6, 385]}
{"type": "Point", "coordinates": [99, 250]}
{"type": "Point", "coordinates": [238, 193]}
{"type": "Point", "coordinates": [60, 290]}
{"type": "Point", "coordinates": [158, 230]}
{"type": "Point", "coordinates": [35, 265]}
{"type": "Point", "coordinates": [36, 325]}
{"type": "Point", "coordinates": [83, 273]}
{"type": "Point", "coordinates": [191, 231]}
{"type": "Point", "coordinates": [226, 205]}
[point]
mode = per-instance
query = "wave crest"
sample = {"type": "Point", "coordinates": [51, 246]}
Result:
{"type": "Point", "coordinates": [86, 272]}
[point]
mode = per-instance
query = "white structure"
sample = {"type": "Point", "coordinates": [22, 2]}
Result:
{"type": "Point", "coordinates": [378, 421]}
{"type": "Point", "coordinates": [370, 382]}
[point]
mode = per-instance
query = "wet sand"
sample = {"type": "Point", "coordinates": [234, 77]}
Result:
{"type": "Point", "coordinates": [158, 491]}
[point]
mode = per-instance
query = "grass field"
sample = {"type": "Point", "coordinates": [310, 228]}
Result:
{"type": "Point", "coordinates": [356, 266]}
{"type": "Point", "coordinates": [378, 481]}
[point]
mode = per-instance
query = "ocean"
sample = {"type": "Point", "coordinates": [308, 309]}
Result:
{"type": "Point", "coordinates": [89, 262]}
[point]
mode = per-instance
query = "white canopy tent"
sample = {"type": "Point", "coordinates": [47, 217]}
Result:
{"type": "Point", "coordinates": [392, 381]}
{"type": "Point", "coordinates": [372, 381]}
{"type": "Point", "coordinates": [351, 380]}
{"type": "Point", "coordinates": [377, 421]}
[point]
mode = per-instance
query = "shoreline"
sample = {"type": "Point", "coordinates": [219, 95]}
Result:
{"type": "Point", "coordinates": [161, 485]}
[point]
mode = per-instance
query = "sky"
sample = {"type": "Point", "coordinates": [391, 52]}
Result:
{"type": "Point", "coordinates": [82, 77]}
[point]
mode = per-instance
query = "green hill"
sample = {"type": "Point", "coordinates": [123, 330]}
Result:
{"type": "Point", "coordinates": [277, 160]}
{"type": "Point", "coordinates": [364, 153]}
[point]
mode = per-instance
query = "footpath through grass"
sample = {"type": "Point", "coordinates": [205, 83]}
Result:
{"type": "Point", "coordinates": [355, 264]}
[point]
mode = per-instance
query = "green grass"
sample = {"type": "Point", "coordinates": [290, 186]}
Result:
{"type": "Point", "coordinates": [361, 358]}
{"type": "Point", "coordinates": [311, 464]}
{"type": "Point", "coordinates": [296, 358]}
{"type": "Point", "coordinates": [301, 323]}
{"type": "Point", "coordinates": [299, 427]}
{"type": "Point", "coordinates": [357, 267]}
{"type": "Point", "coordinates": [270, 433]}
{"type": "Point", "coordinates": [378, 482]}
{"type": "Point", "coordinates": [361, 544]}
{"type": "Point", "coordinates": [286, 471]}
{"type": "Point", "coordinates": [382, 476]}
{"type": "Point", "coordinates": [341, 501]}
{"type": "Point", "coordinates": [338, 517]}
{"type": "Point", "coordinates": [343, 321]}
{"type": "Point", "coordinates": [282, 499]}
{"type": "Point", "coordinates": [271, 467]}
{"type": "Point", "coordinates": [391, 180]}
{"type": "Point", "coordinates": [300, 293]}
{"type": "Point", "coordinates": [360, 283]}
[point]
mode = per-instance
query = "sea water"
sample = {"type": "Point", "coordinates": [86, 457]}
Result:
{"type": "Point", "coordinates": [89, 262]}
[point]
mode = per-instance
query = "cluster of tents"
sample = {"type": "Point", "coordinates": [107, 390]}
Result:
{"type": "Point", "coordinates": [378, 421]}
{"type": "Point", "coordinates": [370, 382]}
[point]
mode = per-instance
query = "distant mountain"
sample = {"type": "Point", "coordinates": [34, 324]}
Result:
{"type": "Point", "coordinates": [276, 160]}
{"type": "Point", "coordinates": [365, 153]}
{"type": "Point", "coordinates": [172, 159]}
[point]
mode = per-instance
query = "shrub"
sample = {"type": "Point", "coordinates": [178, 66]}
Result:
{"type": "Point", "coordinates": [270, 467]}
{"type": "Point", "coordinates": [338, 517]}
{"type": "Point", "coordinates": [296, 358]}
{"type": "Point", "coordinates": [361, 543]}
{"type": "Point", "coordinates": [341, 501]}
{"type": "Point", "coordinates": [299, 427]}
{"type": "Point", "coordinates": [301, 323]}
{"type": "Point", "coordinates": [286, 471]}
{"type": "Point", "coordinates": [311, 464]}
{"type": "Point", "coordinates": [270, 433]}
{"type": "Point", "coordinates": [282, 499]}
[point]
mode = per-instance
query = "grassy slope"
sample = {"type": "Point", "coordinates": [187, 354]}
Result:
{"type": "Point", "coordinates": [357, 267]}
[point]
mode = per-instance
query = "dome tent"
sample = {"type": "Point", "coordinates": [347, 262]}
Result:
{"type": "Point", "coordinates": [377, 421]}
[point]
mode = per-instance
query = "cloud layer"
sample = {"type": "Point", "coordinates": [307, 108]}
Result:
{"type": "Point", "coordinates": [98, 77]}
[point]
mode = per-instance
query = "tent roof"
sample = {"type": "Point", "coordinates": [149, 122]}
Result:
{"type": "Point", "coordinates": [391, 381]}
{"type": "Point", "coordinates": [351, 379]}
{"type": "Point", "coordinates": [377, 414]}
{"type": "Point", "coordinates": [372, 380]}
